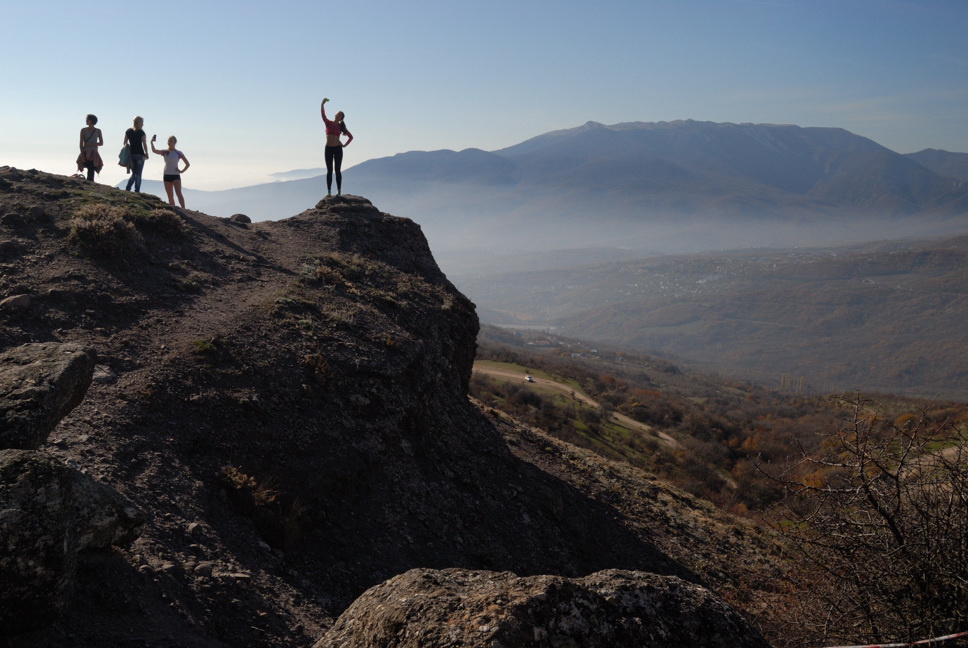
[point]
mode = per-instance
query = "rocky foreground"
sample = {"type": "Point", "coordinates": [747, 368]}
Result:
{"type": "Point", "coordinates": [242, 428]}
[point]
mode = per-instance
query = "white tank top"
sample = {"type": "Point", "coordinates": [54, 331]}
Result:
{"type": "Point", "coordinates": [171, 162]}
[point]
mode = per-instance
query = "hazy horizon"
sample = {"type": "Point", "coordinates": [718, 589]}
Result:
{"type": "Point", "coordinates": [240, 84]}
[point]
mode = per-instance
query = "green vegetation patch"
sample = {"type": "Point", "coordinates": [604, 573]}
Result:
{"type": "Point", "coordinates": [205, 350]}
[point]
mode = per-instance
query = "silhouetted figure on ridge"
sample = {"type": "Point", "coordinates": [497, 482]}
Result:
{"type": "Point", "coordinates": [135, 138]}
{"type": "Point", "coordinates": [89, 158]}
{"type": "Point", "coordinates": [334, 149]}
{"type": "Point", "coordinates": [172, 175]}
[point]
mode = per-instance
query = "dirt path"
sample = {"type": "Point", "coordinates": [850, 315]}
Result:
{"type": "Point", "coordinates": [543, 384]}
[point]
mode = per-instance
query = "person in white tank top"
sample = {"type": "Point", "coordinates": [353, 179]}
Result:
{"type": "Point", "coordinates": [172, 175]}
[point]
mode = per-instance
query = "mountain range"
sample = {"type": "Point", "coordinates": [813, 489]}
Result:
{"type": "Point", "coordinates": [948, 165]}
{"type": "Point", "coordinates": [679, 186]}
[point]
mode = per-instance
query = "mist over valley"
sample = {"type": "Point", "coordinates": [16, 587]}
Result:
{"type": "Point", "coordinates": [651, 188]}
{"type": "Point", "coordinates": [885, 317]}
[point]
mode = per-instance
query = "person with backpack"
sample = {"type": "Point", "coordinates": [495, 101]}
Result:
{"type": "Point", "coordinates": [334, 149]}
{"type": "Point", "coordinates": [137, 141]}
{"type": "Point", "coordinates": [172, 176]}
{"type": "Point", "coordinates": [89, 158]}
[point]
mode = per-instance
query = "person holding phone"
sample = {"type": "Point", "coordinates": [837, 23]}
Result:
{"type": "Point", "coordinates": [172, 176]}
{"type": "Point", "coordinates": [334, 148]}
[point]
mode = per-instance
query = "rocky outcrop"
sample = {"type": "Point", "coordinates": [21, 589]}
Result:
{"type": "Point", "coordinates": [610, 609]}
{"type": "Point", "coordinates": [15, 305]}
{"type": "Point", "coordinates": [288, 402]}
{"type": "Point", "coordinates": [48, 513]}
{"type": "Point", "coordinates": [39, 385]}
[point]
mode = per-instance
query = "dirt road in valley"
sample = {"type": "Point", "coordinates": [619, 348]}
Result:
{"type": "Point", "coordinates": [543, 384]}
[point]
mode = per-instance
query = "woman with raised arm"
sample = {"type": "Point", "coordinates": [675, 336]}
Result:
{"type": "Point", "coordinates": [89, 158]}
{"type": "Point", "coordinates": [172, 175]}
{"type": "Point", "coordinates": [334, 149]}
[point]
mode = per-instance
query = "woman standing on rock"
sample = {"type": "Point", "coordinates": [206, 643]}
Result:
{"type": "Point", "coordinates": [172, 175]}
{"type": "Point", "coordinates": [89, 158]}
{"type": "Point", "coordinates": [137, 140]}
{"type": "Point", "coordinates": [334, 149]}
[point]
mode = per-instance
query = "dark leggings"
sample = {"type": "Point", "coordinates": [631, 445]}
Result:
{"type": "Point", "coordinates": [90, 170]}
{"type": "Point", "coordinates": [334, 154]}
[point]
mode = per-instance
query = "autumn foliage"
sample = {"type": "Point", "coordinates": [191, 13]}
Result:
{"type": "Point", "coordinates": [878, 518]}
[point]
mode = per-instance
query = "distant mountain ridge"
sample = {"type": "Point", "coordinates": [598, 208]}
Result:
{"type": "Point", "coordinates": [696, 165]}
{"type": "Point", "coordinates": [668, 187]}
{"type": "Point", "coordinates": [948, 165]}
{"type": "Point", "coordinates": [679, 186]}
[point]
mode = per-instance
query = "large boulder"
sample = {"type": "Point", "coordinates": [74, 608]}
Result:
{"type": "Point", "coordinates": [39, 385]}
{"type": "Point", "coordinates": [48, 513]}
{"type": "Point", "coordinates": [611, 609]}
{"type": "Point", "coordinates": [16, 305]}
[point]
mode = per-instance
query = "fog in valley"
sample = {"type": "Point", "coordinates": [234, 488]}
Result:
{"type": "Point", "coordinates": [474, 232]}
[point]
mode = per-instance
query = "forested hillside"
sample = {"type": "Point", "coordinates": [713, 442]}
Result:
{"type": "Point", "coordinates": [869, 493]}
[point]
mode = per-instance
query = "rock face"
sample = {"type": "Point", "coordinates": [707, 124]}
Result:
{"type": "Point", "coordinates": [610, 609]}
{"type": "Point", "coordinates": [16, 305]}
{"type": "Point", "coordinates": [39, 385]}
{"type": "Point", "coordinates": [48, 513]}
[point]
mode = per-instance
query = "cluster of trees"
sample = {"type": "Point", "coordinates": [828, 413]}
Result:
{"type": "Point", "coordinates": [720, 427]}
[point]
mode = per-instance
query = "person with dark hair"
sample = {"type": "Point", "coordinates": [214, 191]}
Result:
{"type": "Point", "coordinates": [334, 149]}
{"type": "Point", "coordinates": [89, 158]}
{"type": "Point", "coordinates": [135, 138]}
{"type": "Point", "coordinates": [172, 176]}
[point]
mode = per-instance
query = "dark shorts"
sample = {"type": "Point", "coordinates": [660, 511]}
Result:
{"type": "Point", "coordinates": [172, 177]}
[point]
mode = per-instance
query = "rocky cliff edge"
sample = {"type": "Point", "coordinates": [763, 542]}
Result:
{"type": "Point", "coordinates": [286, 404]}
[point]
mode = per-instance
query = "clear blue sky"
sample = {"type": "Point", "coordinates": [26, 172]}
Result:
{"type": "Point", "coordinates": [240, 82]}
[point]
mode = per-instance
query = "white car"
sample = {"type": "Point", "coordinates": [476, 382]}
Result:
{"type": "Point", "coordinates": [528, 378]}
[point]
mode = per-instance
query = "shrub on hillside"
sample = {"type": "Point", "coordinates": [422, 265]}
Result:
{"type": "Point", "coordinates": [277, 518]}
{"type": "Point", "coordinates": [879, 520]}
{"type": "Point", "coordinates": [161, 221]}
{"type": "Point", "coordinates": [104, 230]}
{"type": "Point", "coordinates": [205, 350]}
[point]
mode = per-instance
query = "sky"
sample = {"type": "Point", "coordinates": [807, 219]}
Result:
{"type": "Point", "coordinates": [240, 83]}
